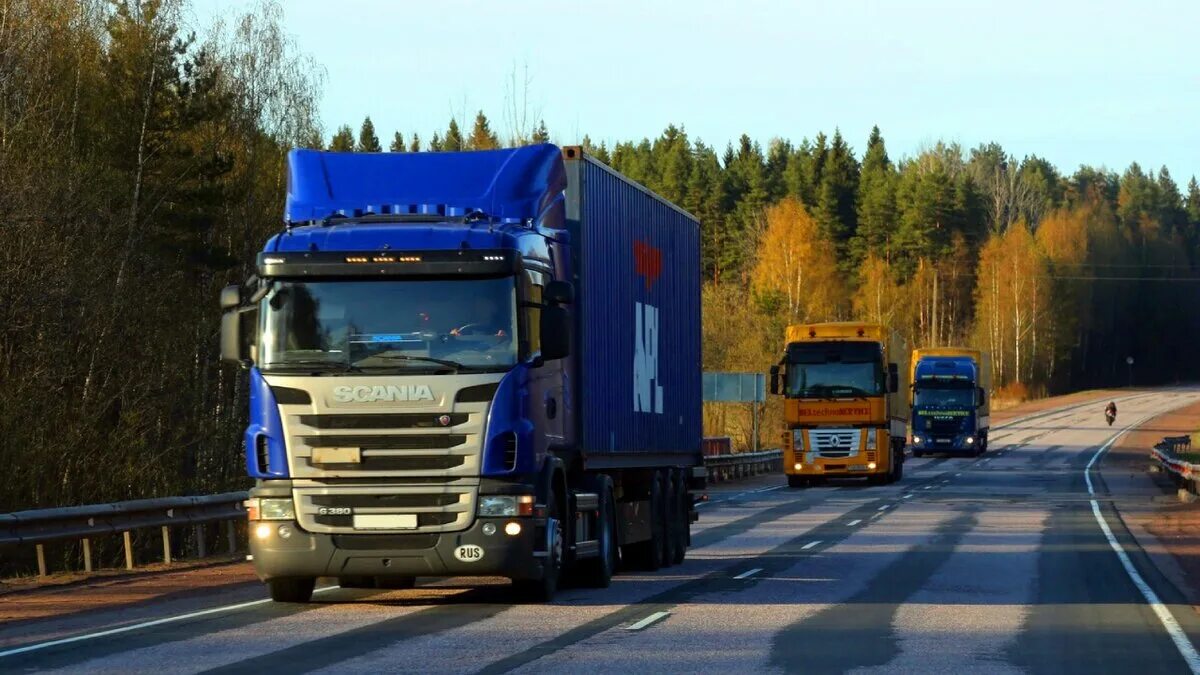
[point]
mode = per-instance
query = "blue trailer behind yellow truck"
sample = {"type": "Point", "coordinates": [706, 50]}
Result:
{"type": "Point", "coordinates": [479, 364]}
{"type": "Point", "coordinates": [950, 401]}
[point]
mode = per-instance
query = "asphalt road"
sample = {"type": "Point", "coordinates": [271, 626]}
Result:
{"type": "Point", "coordinates": [1006, 563]}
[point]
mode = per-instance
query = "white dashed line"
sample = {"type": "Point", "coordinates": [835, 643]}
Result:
{"type": "Point", "coordinates": [810, 545]}
{"type": "Point", "coordinates": [649, 621]}
{"type": "Point", "coordinates": [748, 573]}
{"type": "Point", "coordinates": [854, 522]}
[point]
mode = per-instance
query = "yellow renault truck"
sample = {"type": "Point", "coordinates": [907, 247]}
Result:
{"type": "Point", "coordinates": [845, 409]}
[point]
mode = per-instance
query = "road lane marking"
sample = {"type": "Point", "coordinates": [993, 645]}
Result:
{"type": "Point", "coordinates": [1186, 649]}
{"type": "Point", "coordinates": [907, 496]}
{"type": "Point", "coordinates": [145, 624]}
{"type": "Point", "coordinates": [649, 621]}
{"type": "Point", "coordinates": [810, 545]}
{"type": "Point", "coordinates": [748, 573]}
{"type": "Point", "coordinates": [854, 522]}
{"type": "Point", "coordinates": [927, 487]}
{"type": "Point", "coordinates": [884, 507]}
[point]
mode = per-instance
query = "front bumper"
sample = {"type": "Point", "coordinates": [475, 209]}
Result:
{"type": "Point", "coordinates": [946, 443]}
{"type": "Point", "coordinates": [308, 554]}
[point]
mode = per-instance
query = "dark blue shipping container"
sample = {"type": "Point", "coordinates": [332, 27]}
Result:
{"type": "Point", "coordinates": [637, 279]}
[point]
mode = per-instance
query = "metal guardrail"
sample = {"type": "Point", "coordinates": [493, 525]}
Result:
{"type": "Point", "coordinates": [86, 523]}
{"type": "Point", "coordinates": [1165, 455]}
{"type": "Point", "coordinates": [743, 464]}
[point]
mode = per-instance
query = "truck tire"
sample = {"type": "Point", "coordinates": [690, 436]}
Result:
{"type": "Point", "coordinates": [798, 481]}
{"type": "Point", "coordinates": [598, 572]}
{"type": "Point", "coordinates": [648, 555]}
{"type": "Point", "coordinates": [292, 590]}
{"type": "Point", "coordinates": [543, 590]}
{"type": "Point", "coordinates": [395, 583]}
{"type": "Point", "coordinates": [683, 524]}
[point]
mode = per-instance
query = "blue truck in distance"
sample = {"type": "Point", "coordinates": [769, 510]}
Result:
{"type": "Point", "coordinates": [950, 410]}
{"type": "Point", "coordinates": [469, 364]}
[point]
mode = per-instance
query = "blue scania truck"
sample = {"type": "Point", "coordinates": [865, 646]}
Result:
{"type": "Point", "coordinates": [469, 364]}
{"type": "Point", "coordinates": [950, 410]}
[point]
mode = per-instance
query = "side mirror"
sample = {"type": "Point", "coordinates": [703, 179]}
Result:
{"type": "Point", "coordinates": [556, 333]}
{"type": "Point", "coordinates": [231, 297]}
{"type": "Point", "coordinates": [893, 378]}
{"type": "Point", "coordinates": [559, 293]}
{"type": "Point", "coordinates": [775, 380]}
{"type": "Point", "coordinates": [232, 346]}
{"type": "Point", "coordinates": [982, 396]}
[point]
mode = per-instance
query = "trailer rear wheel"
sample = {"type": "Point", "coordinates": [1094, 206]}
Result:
{"type": "Point", "coordinates": [682, 521]}
{"type": "Point", "coordinates": [648, 555]}
{"type": "Point", "coordinates": [292, 590]}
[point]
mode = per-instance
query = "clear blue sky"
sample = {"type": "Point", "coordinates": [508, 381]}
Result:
{"type": "Point", "coordinates": [1077, 81]}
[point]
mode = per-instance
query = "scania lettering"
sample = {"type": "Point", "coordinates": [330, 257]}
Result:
{"type": "Point", "coordinates": [844, 410]}
{"type": "Point", "coordinates": [469, 364]}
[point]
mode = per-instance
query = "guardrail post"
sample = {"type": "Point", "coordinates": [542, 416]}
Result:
{"type": "Point", "coordinates": [41, 556]}
{"type": "Point", "coordinates": [166, 531]}
{"type": "Point", "coordinates": [231, 536]}
{"type": "Point", "coordinates": [128, 550]}
{"type": "Point", "coordinates": [201, 544]}
{"type": "Point", "coordinates": [87, 555]}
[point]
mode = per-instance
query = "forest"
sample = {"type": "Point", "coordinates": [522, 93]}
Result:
{"type": "Point", "coordinates": [142, 165]}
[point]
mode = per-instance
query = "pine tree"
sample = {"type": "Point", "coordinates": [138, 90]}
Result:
{"type": "Point", "coordinates": [367, 140]}
{"type": "Point", "coordinates": [435, 143]}
{"type": "Point", "coordinates": [1193, 202]}
{"type": "Point", "coordinates": [876, 202]}
{"type": "Point", "coordinates": [397, 143]}
{"type": "Point", "coordinates": [835, 208]}
{"type": "Point", "coordinates": [482, 137]}
{"type": "Point", "coordinates": [540, 135]}
{"type": "Point", "coordinates": [453, 141]}
{"type": "Point", "coordinates": [415, 144]}
{"type": "Point", "coordinates": [343, 140]}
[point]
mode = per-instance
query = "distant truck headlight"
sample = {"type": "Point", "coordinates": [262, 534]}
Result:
{"type": "Point", "coordinates": [916, 440]}
{"type": "Point", "coordinates": [271, 509]}
{"type": "Point", "coordinates": [497, 506]}
{"type": "Point", "coordinates": [970, 440]}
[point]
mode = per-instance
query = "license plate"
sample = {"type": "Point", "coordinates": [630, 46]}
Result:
{"type": "Point", "coordinates": [943, 440]}
{"type": "Point", "coordinates": [337, 455]}
{"type": "Point", "coordinates": [858, 467]}
{"type": "Point", "coordinates": [385, 521]}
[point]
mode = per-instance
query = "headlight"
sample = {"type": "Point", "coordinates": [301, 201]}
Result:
{"type": "Point", "coordinates": [498, 506]}
{"type": "Point", "coordinates": [871, 438]}
{"type": "Point", "coordinates": [970, 440]}
{"type": "Point", "coordinates": [798, 440]}
{"type": "Point", "coordinates": [916, 439]}
{"type": "Point", "coordinates": [271, 509]}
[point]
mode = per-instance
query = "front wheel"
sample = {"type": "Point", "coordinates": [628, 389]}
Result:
{"type": "Point", "coordinates": [292, 590]}
{"type": "Point", "coordinates": [543, 590]}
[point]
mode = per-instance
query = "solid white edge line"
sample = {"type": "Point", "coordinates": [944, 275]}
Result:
{"type": "Point", "coordinates": [810, 545]}
{"type": "Point", "coordinates": [653, 618]}
{"type": "Point", "coordinates": [748, 573]}
{"type": "Point", "coordinates": [138, 626]}
{"type": "Point", "coordinates": [1174, 630]}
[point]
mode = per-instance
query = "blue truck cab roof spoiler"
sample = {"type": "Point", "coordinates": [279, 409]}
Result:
{"type": "Point", "coordinates": [512, 185]}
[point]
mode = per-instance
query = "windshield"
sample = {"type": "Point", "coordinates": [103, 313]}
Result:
{"type": "Point", "coordinates": [945, 398]}
{"type": "Point", "coordinates": [355, 326]}
{"type": "Point", "coordinates": [834, 370]}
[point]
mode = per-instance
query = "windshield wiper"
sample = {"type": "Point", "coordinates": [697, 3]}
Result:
{"type": "Point", "coordinates": [427, 359]}
{"type": "Point", "coordinates": [313, 363]}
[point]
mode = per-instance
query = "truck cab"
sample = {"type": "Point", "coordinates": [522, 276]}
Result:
{"type": "Point", "coordinates": [949, 404]}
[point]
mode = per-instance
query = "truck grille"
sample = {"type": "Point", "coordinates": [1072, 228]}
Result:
{"type": "Point", "coordinates": [834, 443]}
{"type": "Point", "coordinates": [384, 421]}
{"type": "Point", "coordinates": [447, 508]}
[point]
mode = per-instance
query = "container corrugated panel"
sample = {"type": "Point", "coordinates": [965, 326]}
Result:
{"type": "Point", "coordinates": [637, 269]}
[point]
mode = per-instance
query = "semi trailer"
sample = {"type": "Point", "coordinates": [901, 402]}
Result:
{"type": "Point", "coordinates": [469, 364]}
